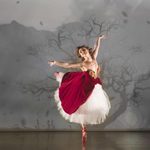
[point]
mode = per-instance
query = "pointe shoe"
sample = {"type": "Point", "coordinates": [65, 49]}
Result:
{"type": "Point", "coordinates": [58, 76]}
{"type": "Point", "coordinates": [55, 74]}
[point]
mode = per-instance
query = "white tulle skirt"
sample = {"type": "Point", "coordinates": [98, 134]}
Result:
{"type": "Point", "coordinates": [93, 111]}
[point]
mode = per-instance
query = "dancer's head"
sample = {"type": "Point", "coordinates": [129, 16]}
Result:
{"type": "Point", "coordinates": [84, 52]}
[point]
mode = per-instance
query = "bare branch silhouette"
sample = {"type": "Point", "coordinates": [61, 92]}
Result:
{"type": "Point", "coordinates": [137, 97]}
{"type": "Point", "coordinates": [57, 42]}
{"type": "Point", "coordinates": [117, 81]}
{"type": "Point", "coordinates": [93, 28]}
{"type": "Point", "coordinates": [38, 88]}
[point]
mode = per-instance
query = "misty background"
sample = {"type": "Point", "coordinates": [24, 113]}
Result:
{"type": "Point", "coordinates": [33, 32]}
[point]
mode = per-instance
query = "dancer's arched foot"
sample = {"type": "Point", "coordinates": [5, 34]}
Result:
{"type": "Point", "coordinates": [58, 76]}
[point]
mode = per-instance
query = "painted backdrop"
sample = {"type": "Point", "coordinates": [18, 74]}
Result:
{"type": "Point", "coordinates": [32, 32]}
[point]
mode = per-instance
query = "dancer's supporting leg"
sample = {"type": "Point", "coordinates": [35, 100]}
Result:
{"type": "Point", "coordinates": [84, 134]}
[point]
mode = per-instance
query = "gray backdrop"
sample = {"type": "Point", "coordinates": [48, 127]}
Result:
{"type": "Point", "coordinates": [32, 32]}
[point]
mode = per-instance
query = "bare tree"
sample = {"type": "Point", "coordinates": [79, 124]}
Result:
{"type": "Point", "coordinates": [89, 29]}
{"type": "Point", "coordinates": [119, 82]}
{"type": "Point", "coordinates": [117, 79]}
{"type": "Point", "coordinates": [137, 96]}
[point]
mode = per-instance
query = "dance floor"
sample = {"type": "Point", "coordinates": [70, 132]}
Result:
{"type": "Point", "coordinates": [72, 141]}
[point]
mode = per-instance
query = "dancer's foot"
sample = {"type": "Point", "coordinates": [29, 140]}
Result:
{"type": "Point", "coordinates": [58, 76]}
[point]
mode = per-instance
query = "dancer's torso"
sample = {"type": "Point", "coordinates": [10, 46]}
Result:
{"type": "Point", "coordinates": [92, 67]}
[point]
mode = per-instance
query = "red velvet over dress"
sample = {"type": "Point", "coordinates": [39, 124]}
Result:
{"type": "Point", "coordinates": [75, 88]}
{"type": "Point", "coordinates": [81, 98]}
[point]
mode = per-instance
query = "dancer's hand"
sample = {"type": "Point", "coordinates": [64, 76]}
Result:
{"type": "Point", "coordinates": [102, 36]}
{"type": "Point", "coordinates": [51, 63]}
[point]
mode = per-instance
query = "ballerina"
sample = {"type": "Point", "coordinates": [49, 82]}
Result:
{"type": "Point", "coordinates": [80, 96]}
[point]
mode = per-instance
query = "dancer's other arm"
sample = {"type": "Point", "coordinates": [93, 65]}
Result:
{"type": "Point", "coordinates": [97, 46]}
{"type": "Point", "coordinates": [64, 64]}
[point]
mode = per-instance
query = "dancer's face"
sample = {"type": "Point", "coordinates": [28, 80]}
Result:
{"type": "Point", "coordinates": [83, 52]}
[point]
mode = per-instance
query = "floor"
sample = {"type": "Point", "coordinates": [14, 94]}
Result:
{"type": "Point", "coordinates": [72, 141]}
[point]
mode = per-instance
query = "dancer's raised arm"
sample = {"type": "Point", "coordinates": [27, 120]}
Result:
{"type": "Point", "coordinates": [65, 64]}
{"type": "Point", "coordinates": [97, 46]}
